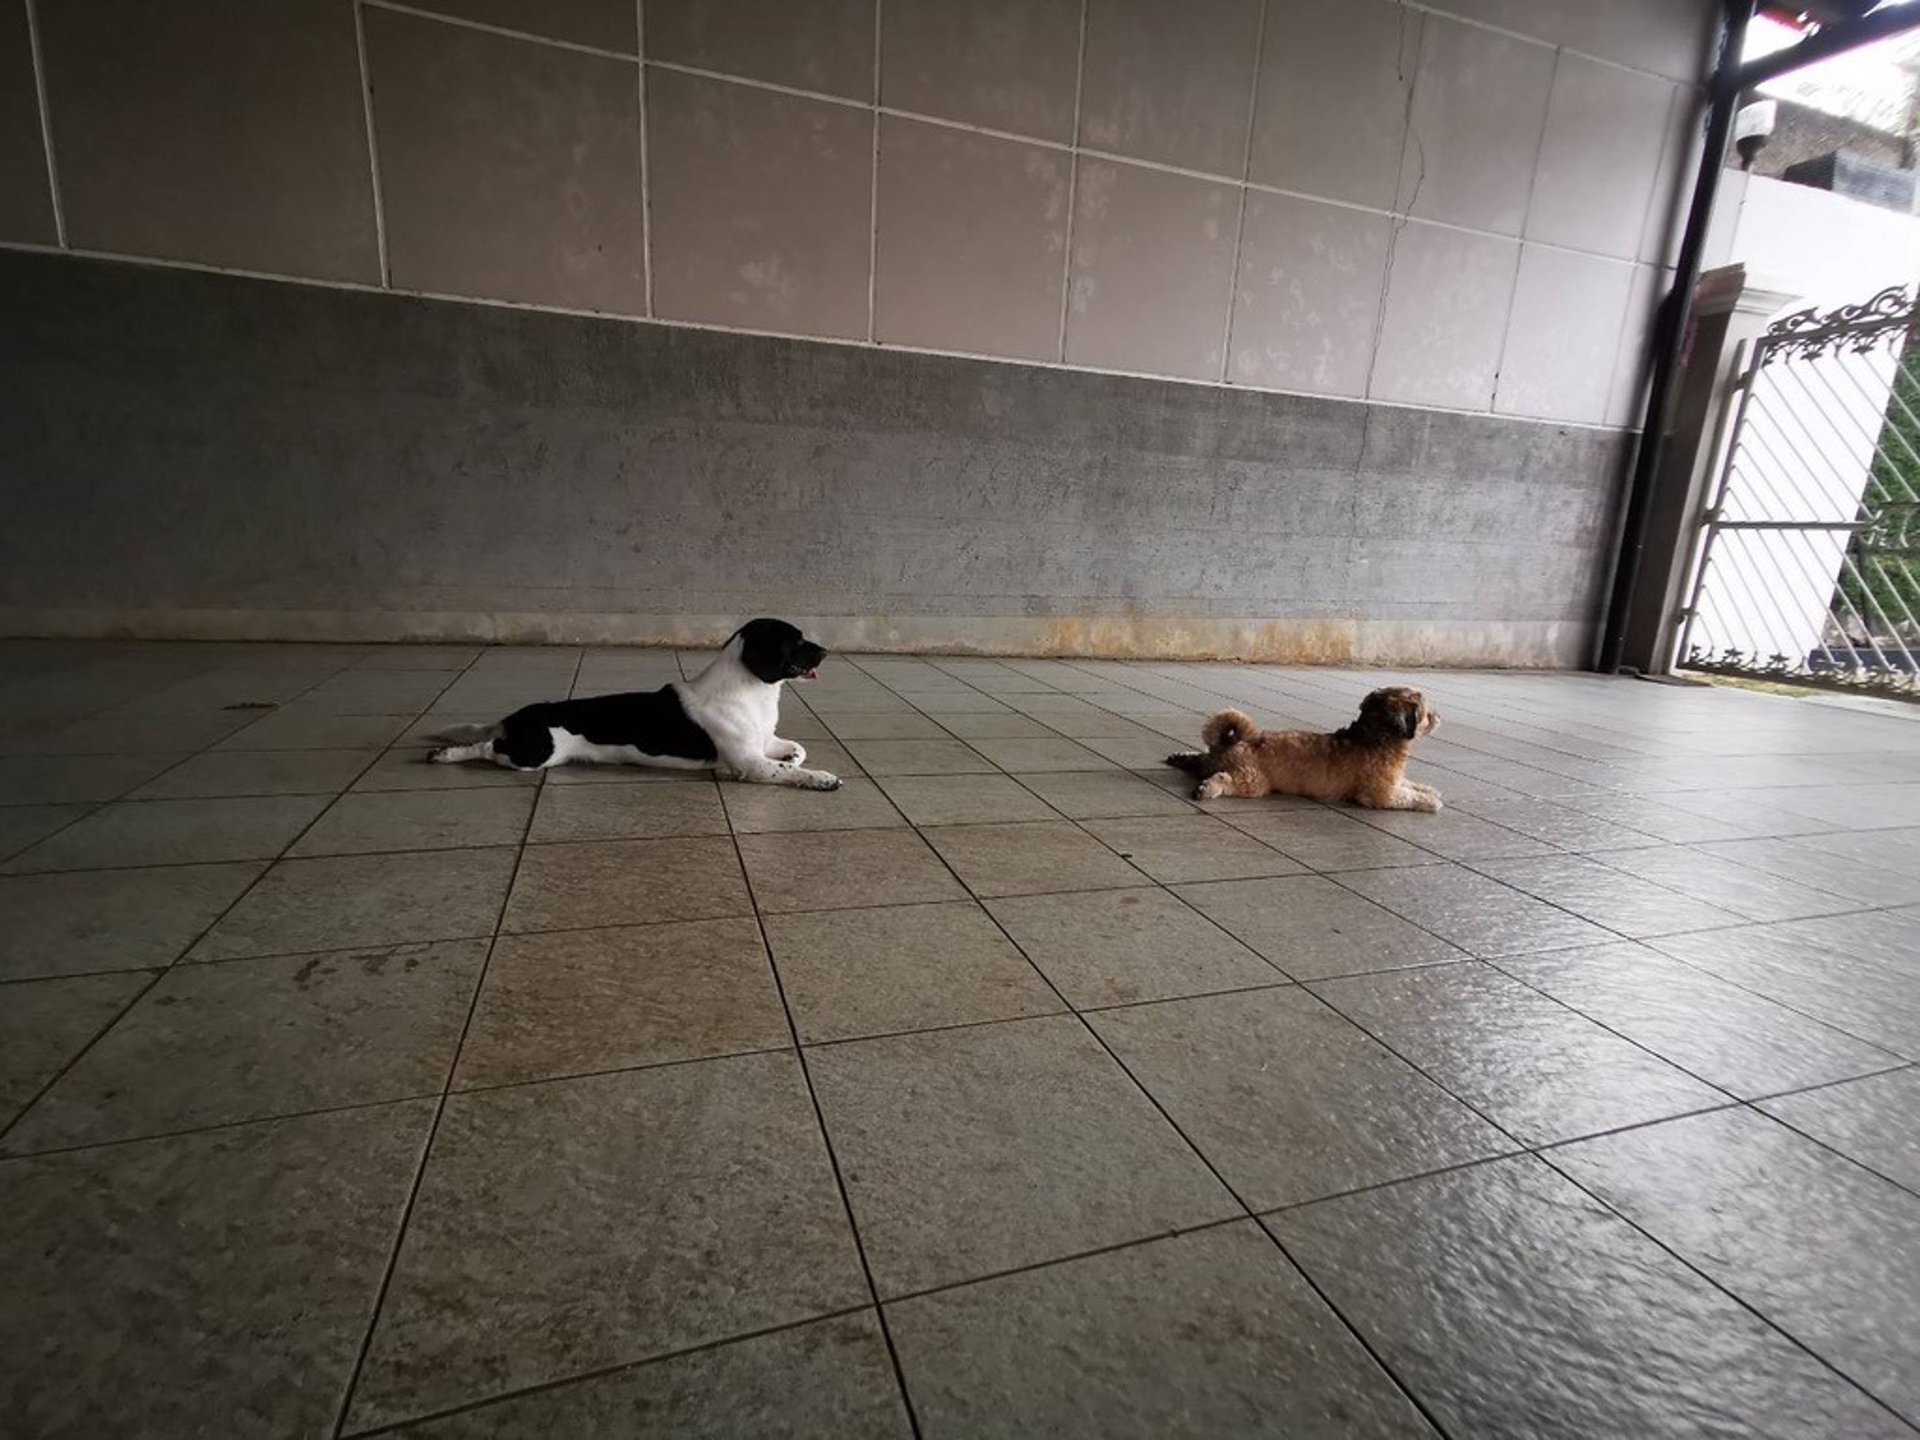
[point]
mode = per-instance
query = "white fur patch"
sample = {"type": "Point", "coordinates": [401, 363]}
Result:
{"type": "Point", "coordinates": [569, 748]}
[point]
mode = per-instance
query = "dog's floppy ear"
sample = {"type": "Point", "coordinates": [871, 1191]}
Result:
{"type": "Point", "coordinates": [1390, 715]}
{"type": "Point", "coordinates": [1406, 716]}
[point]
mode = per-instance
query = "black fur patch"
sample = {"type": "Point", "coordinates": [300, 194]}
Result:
{"type": "Point", "coordinates": [1381, 722]}
{"type": "Point", "coordinates": [654, 722]}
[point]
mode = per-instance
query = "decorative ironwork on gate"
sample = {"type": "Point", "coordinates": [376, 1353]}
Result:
{"type": "Point", "coordinates": [1808, 565]}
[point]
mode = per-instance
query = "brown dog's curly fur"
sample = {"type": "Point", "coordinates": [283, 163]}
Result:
{"type": "Point", "coordinates": [1363, 764]}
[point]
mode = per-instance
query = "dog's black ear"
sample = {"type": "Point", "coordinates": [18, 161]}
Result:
{"type": "Point", "coordinates": [1406, 716]}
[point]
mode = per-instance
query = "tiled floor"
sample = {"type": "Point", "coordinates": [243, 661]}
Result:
{"type": "Point", "coordinates": [1002, 1092]}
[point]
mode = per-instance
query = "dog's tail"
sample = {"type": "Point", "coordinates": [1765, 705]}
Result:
{"type": "Point", "coordinates": [1229, 727]}
{"type": "Point", "coordinates": [466, 734]}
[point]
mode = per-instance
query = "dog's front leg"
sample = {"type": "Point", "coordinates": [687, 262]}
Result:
{"type": "Point", "coordinates": [1221, 782]}
{"type": "Point", "coordinates": [758, 770]}
{"type": "Point", "coordinates": [1405, 796]}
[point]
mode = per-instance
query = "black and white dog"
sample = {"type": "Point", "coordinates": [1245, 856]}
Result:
{"type": "Point", "coordinates": [723, 720]}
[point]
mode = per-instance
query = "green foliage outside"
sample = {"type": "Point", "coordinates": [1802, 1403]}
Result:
{"type": "Point", "coordinates": [1881, 582]}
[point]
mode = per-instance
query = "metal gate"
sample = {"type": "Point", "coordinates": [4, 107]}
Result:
{"type": "Point", "coordinates": [1808, 566]}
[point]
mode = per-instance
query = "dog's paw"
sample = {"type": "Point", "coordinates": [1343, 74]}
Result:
{"type": "Point", "coordinates": [787, 752]}
{"type": "Point", "coordinates": [823, 780]}
{"type": "Point", "coordinates": [439, 756]}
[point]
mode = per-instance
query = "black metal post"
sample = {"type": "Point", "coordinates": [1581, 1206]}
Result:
{"type": "Point", "coordinates": [1731, 80]}
{"type": "Point", "coordinates": [1669, 334]}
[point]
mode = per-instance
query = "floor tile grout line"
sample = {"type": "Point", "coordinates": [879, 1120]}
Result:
{"type": "Point", "coordinates": [529, 1081]}
{"type": "Point", "coordinates": [1849, 906]}
{"type": "Point", "coordinates": [91, 808]}
{"type": "Point", "coordinates": [603, 1372]}
{"type": "Point", "coordinates": [1491, 963]}
{"type": "Point", "coordinates": [1828, 1145]}
{"type": "Point", "coordinates": [1761, 1316]}
{"type": "Point", "coordinates": [1721, 1108]}
{"type": "Point", "coordinates": [1247, 1211]}
{"type": "Point", "coordinates": [1730, 1101]}
{"type": "Point", "coordinates": [1464, 866]}
{"type": "Point", "coordinates": [126, 796]}
{"type": "Point", "coordinates": [1374, 1187]}
{"type": "Point", "coordinates": [1220, 696]}
{"type": "Point", "coordinates": [1167, 887]}
{"type": "Point", "coordinates": [215, 1127]}
{"type": "Point", "coordinates": [1468, 954]}
{"type": "Point", "coordinates": [1789, 1006]}
{"type": "Point", "coordinates": [1475, 1110]}
{"type": "Point", "coordinates": [826, 1139]}
{"type": "Point", "coordinates": [374, 1312]}
{"type": "Point", "coordinates": [1169, 1232]}
{"type": "Point", "coordinates": [1496, 964]}
{"type": "Point", "coordinates": [1066, 1008]}
{"type": "Point", "coordinates": [554, 842]}
{"type": "Point", "coordinates": [1614, 936]}
{"type": "Point", "coordinates": [159, 973]}
{"type": "Point", "coordinates": [1895, 1069]}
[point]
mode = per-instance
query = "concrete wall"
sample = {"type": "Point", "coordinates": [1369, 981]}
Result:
{"type": "Point", "coordinates": [181, 466]}
{"type": "Point", "coordinates": [1454, 209]}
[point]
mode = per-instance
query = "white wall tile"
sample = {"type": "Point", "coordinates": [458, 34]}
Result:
{"type": "Point", "coordinates": [1331, 114]}
{"type": "Point", "coordinates": [1563, 339]}
{"type": "Point", "coordinates": [1479, 109]}
{"type": "Point", "coordinates": [1447, 297]}
{"type": "Point", "coordinates": [1308, 298]}
{"type": "Point", "coordinates": [1598, 163]}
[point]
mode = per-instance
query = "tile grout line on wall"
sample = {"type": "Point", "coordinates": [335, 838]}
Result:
{"type": "Point", "coordinates": [1115, 157]}
{"type": "Point", "coordinates": [462, 22]}
{"type": "Point", "coordinates": [1421, 7]}
{"type": "Point", "coordinates": [646, 162]}
{"type": "Point", "coordinates": [1676, 138]}
{"type": "Point", "coordinates": [1398, 222]}
{"type": "Point", "coordinates": [720, 328]}
{"type": "Point", "coordinates": [1427, 8]}
{"type": "Point", "coordinates": [1073, 181]}
{"type": "Point", "coordinates": [1424, 12]}
{"type": "Point", "coordinates": [1246, 175]}
{"type": "Point", "coordinates": [46, 124]}
{"type": "Point", "coordinates": [373, 144]}
{"type": "Point", "coordinates": [1520, 249]}
{"type": "Point", "coordinates": [873, 196]}
{"type": "Point", "coordinates": [648, 278]}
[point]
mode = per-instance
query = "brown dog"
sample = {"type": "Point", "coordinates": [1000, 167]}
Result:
{"type": "Point", "coordinates": [1363, 764]}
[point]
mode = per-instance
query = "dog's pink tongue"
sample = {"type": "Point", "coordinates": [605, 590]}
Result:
{"type": "Point", "coordinates": [810, 674]}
